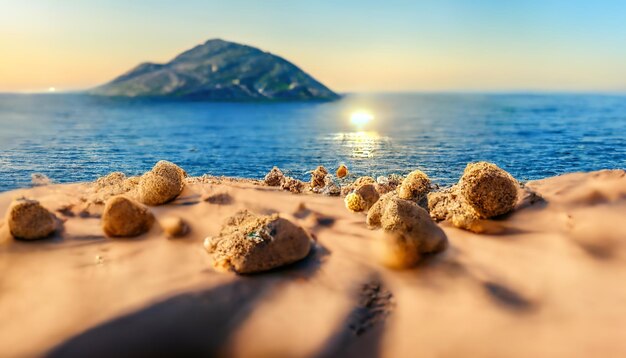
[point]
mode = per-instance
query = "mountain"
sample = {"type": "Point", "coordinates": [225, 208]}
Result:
{"type": "Point", "coordinates": [219, 70]}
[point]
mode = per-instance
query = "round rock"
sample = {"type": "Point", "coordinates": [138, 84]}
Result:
{"type": "Point", "coordinates": [342, 171]}
{"type": "Point", "coordinates": [124, 217]}
{"type": "Point", "coordinates": [28, 220]}
{"type": "Point", "coordinates": [415, 186]}
{"type": "Point", "coordinates": [408, 233]}
{"type": "Point", "coordinates": [490, 190]}
{"type": "Point", "coordinates": [162, 184]}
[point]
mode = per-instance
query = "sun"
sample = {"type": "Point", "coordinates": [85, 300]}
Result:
{"type": "Point", "coordinates": [361, 118]}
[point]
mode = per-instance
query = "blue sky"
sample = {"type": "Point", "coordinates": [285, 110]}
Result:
{"type": "Point", "coordinates": [349, 45]}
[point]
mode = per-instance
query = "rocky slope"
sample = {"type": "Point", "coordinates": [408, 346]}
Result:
{"type": "Point", "coordinates": [222, 71]}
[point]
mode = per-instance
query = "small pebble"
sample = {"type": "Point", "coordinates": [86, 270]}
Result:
{"type": "Point", "coordinates": [174, 226]}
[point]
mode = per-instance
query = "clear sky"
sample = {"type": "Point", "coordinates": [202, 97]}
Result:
{"type": "Point", "coordinates": [390, 45]}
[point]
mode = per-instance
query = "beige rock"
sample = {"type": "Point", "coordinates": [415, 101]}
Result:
{"type": "Point", "coordinates": [375, 213]}
{"type": "Point", "coordinates": [362, 198]}
{"type": "Point", "coordinates": [414, 187]}
{"type": "Point", "coordinates": [362, 181]}
{"type": "Point", "coordinates": [174, 226]}
{"type": "Point", "coordinates": [388, 184]}
{"type": "Point", "coordinates": [169, 170]}
{"type": "Point", "coordinates": [293, 185]}
{"type": "Point", "coordinates": [250, 243]}
{"type": "Point", "coordinates": [369, 194]}
{"type": "Point", "coordinates": [317, 177]}
{"type": "Point", "coordinates": [111, 179]}
{"type": "Point", "coordinates": [349, 188]}
{"type": "Point", "coordinates": [408, 233]}
{"type": "Point", "coordinates": [162, 184]}
{"type": "Point", "coordinates": [331, 187]}
{"type": "Point", "coordinates": [28, 220]}
{"type": "Point", "coordinates": [124, 217]}
{"type": "Point", "coordinates": [275, 177]}
{"type": "Point", "coordinates": [484, 191]}
{"type": "Point", "coordinates": [490, 190]}
{"type": "Point", "coordinates": [112, 184]}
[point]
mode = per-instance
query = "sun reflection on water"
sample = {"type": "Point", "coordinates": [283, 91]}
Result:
{"type": "Point", "coordinates": [362, 144]}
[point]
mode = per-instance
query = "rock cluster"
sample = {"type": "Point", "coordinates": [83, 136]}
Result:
{"type": "Point", "coordinates": [249, 243]}
{"type": "Point", "coordinates": [28, 220]}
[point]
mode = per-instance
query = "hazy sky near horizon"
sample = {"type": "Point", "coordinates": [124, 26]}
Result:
{"type": "Point", "coordinates": [392, 45]}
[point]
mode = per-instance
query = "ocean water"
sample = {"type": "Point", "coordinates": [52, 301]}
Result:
{"type": "Point", "coordinates": [78, 138]}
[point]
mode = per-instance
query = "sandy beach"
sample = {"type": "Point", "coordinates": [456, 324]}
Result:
{"type": "Point", "coordinates": [548, 281]}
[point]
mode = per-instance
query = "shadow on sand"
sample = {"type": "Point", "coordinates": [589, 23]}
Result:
{"type": "Point", "coordinates": [190, 324]}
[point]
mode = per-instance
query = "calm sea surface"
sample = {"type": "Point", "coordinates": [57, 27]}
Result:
{"type": "Point", "coordinates": [78, 138]}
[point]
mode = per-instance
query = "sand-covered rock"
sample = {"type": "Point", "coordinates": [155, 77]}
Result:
{"type": "Point", "coordinates": [28, 220]}
{"type": "Point", "coordinates": [330, 186]}
{"type": "Point", "coordinates": [318, 176]}
{"type": "Point", "coordinates": [174, 226]}
{"type": "Point", "coordinates": [111, 179]}
{"type": "Point", "coordinates": [490, 190]}
{"type": "Point", "coordinates": [449, 204]}
{"type": "Point", "coordinates": [169, 169]}
{"type": "Point", "coordinates": [293, 185]}
{"type": "Point", "coordinates": [369, 194]}
{"type": "Point", "coordinates": [112, 184]}
{"type": "Point", "coordinates": [342, 171]}
{"type": "Point", "coordinates": [39, 179]}
{"type": "Point", "coordinates": [484, 191]}
{"type": "Point", "coordinates": [408, 233]}
{"type": "Point", "coordinates": [275, 177]}
{"type": "Point", "coordinates": [362, 181]}
{"type": "Point", "coordinates": [346, 189]}
{"type": "Point", "coordinates": [250, 243]}
{"type": "Point", "coordinates": [362, 198]}
{"type": "Point", "coordinates": [162, 184]}
{"type": "Point", "coordinates": [386, 184]}
{"type": "Point", "coordinates": [125, 217]}
{"type": "Point", "coordinates": [375, 213]}
{"type": "Point", "coordinates": [415, 187]}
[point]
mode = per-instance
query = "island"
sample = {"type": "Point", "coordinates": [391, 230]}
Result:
{"type": "Point", "coordinates": [219, 70]}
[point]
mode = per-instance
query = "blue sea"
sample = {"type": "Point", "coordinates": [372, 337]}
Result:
{"type": "Point", "coordinates": [72, 137]}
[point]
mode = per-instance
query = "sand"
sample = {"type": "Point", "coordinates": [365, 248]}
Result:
{"type": "Point", "coordinates": [549, 283]}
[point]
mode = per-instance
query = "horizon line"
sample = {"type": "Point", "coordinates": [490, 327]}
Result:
{"type": "Point", "coordinates": [382, 92]}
